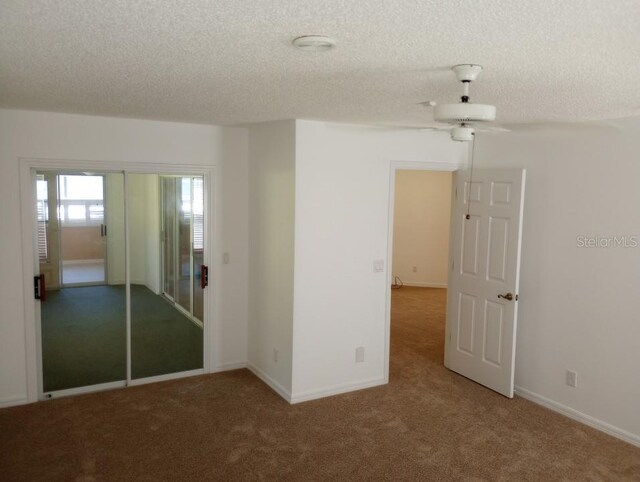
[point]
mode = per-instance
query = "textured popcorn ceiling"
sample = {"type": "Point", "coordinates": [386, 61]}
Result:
{"type": "Point", "coordinates": [230, 61]}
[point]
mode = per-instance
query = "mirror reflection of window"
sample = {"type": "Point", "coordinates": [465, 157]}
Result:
{"type": "Point", "coordinates": [42, 209]}
{"type": "Point", "coordinates": [81, 200]}
{"type": "Point", "coordinates": [198, 213]}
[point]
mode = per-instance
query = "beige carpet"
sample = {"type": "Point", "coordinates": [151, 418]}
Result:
{"type": "Point", "coordinates": [427, 424]}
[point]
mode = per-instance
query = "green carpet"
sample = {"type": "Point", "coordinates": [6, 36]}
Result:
{"type": "Point", "coordinates": [84, 337]}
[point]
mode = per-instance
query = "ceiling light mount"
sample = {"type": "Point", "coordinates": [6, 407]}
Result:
{"type": "Point", "coordinates": [314, 43]}
{"type": "Point", "coordinates": [467, 72]}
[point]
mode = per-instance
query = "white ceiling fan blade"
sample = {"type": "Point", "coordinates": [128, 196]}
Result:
{"type": "Point", "coordinates": [490, 128]}
{"type": "Point", "coordinates": [425, 127]}
{"type": "Point", "coordinates": [587, 126]}
{"type": "Point", "coordinates": [436, 127]}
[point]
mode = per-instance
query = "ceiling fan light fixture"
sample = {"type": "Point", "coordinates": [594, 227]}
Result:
{"type": "Point", "coordinates": [462, 134]}
{"type": "Point", "coordinates": [314, 43]}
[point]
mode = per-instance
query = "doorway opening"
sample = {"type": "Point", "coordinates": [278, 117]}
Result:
{"type": "Point", "coordinates": [478, 329]}
{"type": "Point", "coordinates": [420, 214]}
{"type": "Point", "coordinates": [119, 328]}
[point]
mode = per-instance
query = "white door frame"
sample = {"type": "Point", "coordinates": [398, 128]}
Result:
{"type": "Point", "coordinates": [33, 340]}
{"type": "Point", "coordinates": [407, 166]}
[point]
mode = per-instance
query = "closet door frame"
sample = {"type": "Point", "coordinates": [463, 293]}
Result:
{"type": "Point", "coordinates": [32, 313]}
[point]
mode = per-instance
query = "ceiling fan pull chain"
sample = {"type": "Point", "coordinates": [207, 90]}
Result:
{"type": "Point", "coordinates": [473, 149]}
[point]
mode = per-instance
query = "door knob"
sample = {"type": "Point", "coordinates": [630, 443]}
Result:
{"type": "Point", "coordinates": [508, 296]}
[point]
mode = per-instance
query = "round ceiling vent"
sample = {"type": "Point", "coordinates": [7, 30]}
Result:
{"type": "Point", "coordinates": [314, 43]}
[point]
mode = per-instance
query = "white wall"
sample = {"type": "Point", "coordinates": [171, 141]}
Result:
{"type": "Point", "coordinates": [114, 219]}
{"type": "Point", "coordinates": [341, 227]}
{"type": "Point", "coordinates": [26, 134]}
{"type": "Point", "coordinates": [144, 225]}
{"type": "Point", "coordinates": [271, 243]}
{"type": "Point", "coordinates": [144, 222]}
{"type": "Point", "coordinates": [579, 307]}
{"type": "Point", "coordinates": [422, 213]}
{"type": "Point", "coordinates": [231, 235]}
{"type": "Point", "coordinates": [152, 234]}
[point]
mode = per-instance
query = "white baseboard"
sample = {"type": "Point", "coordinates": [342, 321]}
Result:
{"type": "Point", "coordinates": [13, 401]}
{"type": "Point", "coordinates": [167, 377]}
{"type": "Point", "coordinates": [421, 284]}
{"type": "Point", "coordinates": [579, 416]}
{"type": "Point", "coordinates": [337, 390]}
{"type": "Point", "coordinates": [100, 387]}
{"type": "Point", "coordinates": [225, 367]}
{"type": "Point", "coordinates": [73, 262]}
{"type": "Point", "coordinates": [275, 386]}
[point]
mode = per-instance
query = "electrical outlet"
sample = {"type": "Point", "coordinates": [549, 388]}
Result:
{"type": "Point", "coordinates": [225, 258]}
{"type": "Point", "coordinates": [275, 355]}
{"type": "Point", "coordinates": [415, 269]}
{"type": "Point", "coordinates": [360, 354]}
{"type": "Point", "coordinates": [378, 266]}
{"type": "Point", "coordinates": [572, 378]}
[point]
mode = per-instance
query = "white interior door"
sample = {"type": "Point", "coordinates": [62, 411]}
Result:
{"type": "Point", "coordinates": [482, 304]}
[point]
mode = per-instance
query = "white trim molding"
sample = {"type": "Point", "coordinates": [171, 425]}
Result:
{"type": "Point", "coordinates": [13, 401]}
{"type": "Point", "coordinates": [228, 366]}
{"type": "Point", "coordinates": [427, 166]}
{"type": "Point", "coordinates": [592, 422]}
{"type": "Point", "coordinates": [393, 167]}
{"type": "Point", "coordinates": [337, 390]}
{"type": "Point", "coordinates": [421, 284]}
{"type": "Point", "coordinates": [69, 392]}
{"type": "Point", "coordinates": [27, 167]}
{"type": "Point", "coordinates": [274, 385]}
{"type": "Point", "coordinates": [74, 262]}
{"type": "Point", "coordinates": [164, 378]}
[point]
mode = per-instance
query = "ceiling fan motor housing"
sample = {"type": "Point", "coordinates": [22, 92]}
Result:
{"type": "Point", "coordinates": [464, 112]}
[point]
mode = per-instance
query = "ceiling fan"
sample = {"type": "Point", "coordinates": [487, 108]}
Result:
{"type": "Point", "coordinates": [464, 118]}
